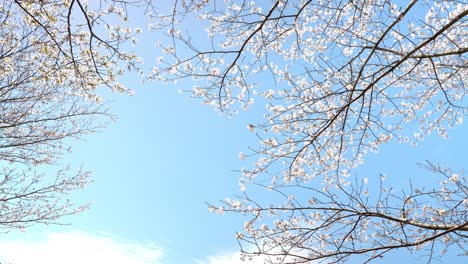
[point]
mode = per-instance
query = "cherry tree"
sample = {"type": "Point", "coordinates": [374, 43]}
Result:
{"type": "Point", "coordinates": [339, 79]}
{"type": "Point", "coordinates": [54, 55]}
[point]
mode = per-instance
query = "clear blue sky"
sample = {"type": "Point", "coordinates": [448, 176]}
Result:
{"type": "Point", "coordinates": [155, 168]}
{"type": "Point", "coordinates": [167, 154]}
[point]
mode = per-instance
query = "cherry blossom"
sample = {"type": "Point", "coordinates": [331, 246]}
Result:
{"type": "Point", "coordinates": [339, 79]}
{"type": "Point", "coordinates": [54, 55]}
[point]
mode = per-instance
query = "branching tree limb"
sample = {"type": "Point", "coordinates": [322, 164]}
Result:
{"type": "Point", "coordinates": [53, 57]}
{"type": "Point", "coordinates": [339, 79]}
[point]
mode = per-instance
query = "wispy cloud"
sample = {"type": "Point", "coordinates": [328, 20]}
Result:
{"type": "Point", "coordinates": [78, 247]}
{"type": "Point", "coordinates": [235, 257]}
{"type": "Point", "coordinates": [230, 257]}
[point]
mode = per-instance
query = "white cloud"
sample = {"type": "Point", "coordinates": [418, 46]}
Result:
{"type": "Point", "coordinates": [230, 257]}
{"type": "Point", "coordinates": [234, 257]}
{"type": "Point", "coordinates": [78, 247]}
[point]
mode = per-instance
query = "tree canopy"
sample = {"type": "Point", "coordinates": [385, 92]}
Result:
{"type": "Point", "coordinates": [54, 55]}
{"type": "Point", "coordinates": [339, 79]}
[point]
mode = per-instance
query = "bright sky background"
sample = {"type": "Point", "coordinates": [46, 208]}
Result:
{"type": "Point", "coordinates": [155, 168]}
{"type": "Point", "coordinates": [153, 171]}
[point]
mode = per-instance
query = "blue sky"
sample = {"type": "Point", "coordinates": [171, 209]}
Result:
{"type": "Point", "coordinates": [153, 171]}
{"type": "Point", "coordinates": [155, 168]}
